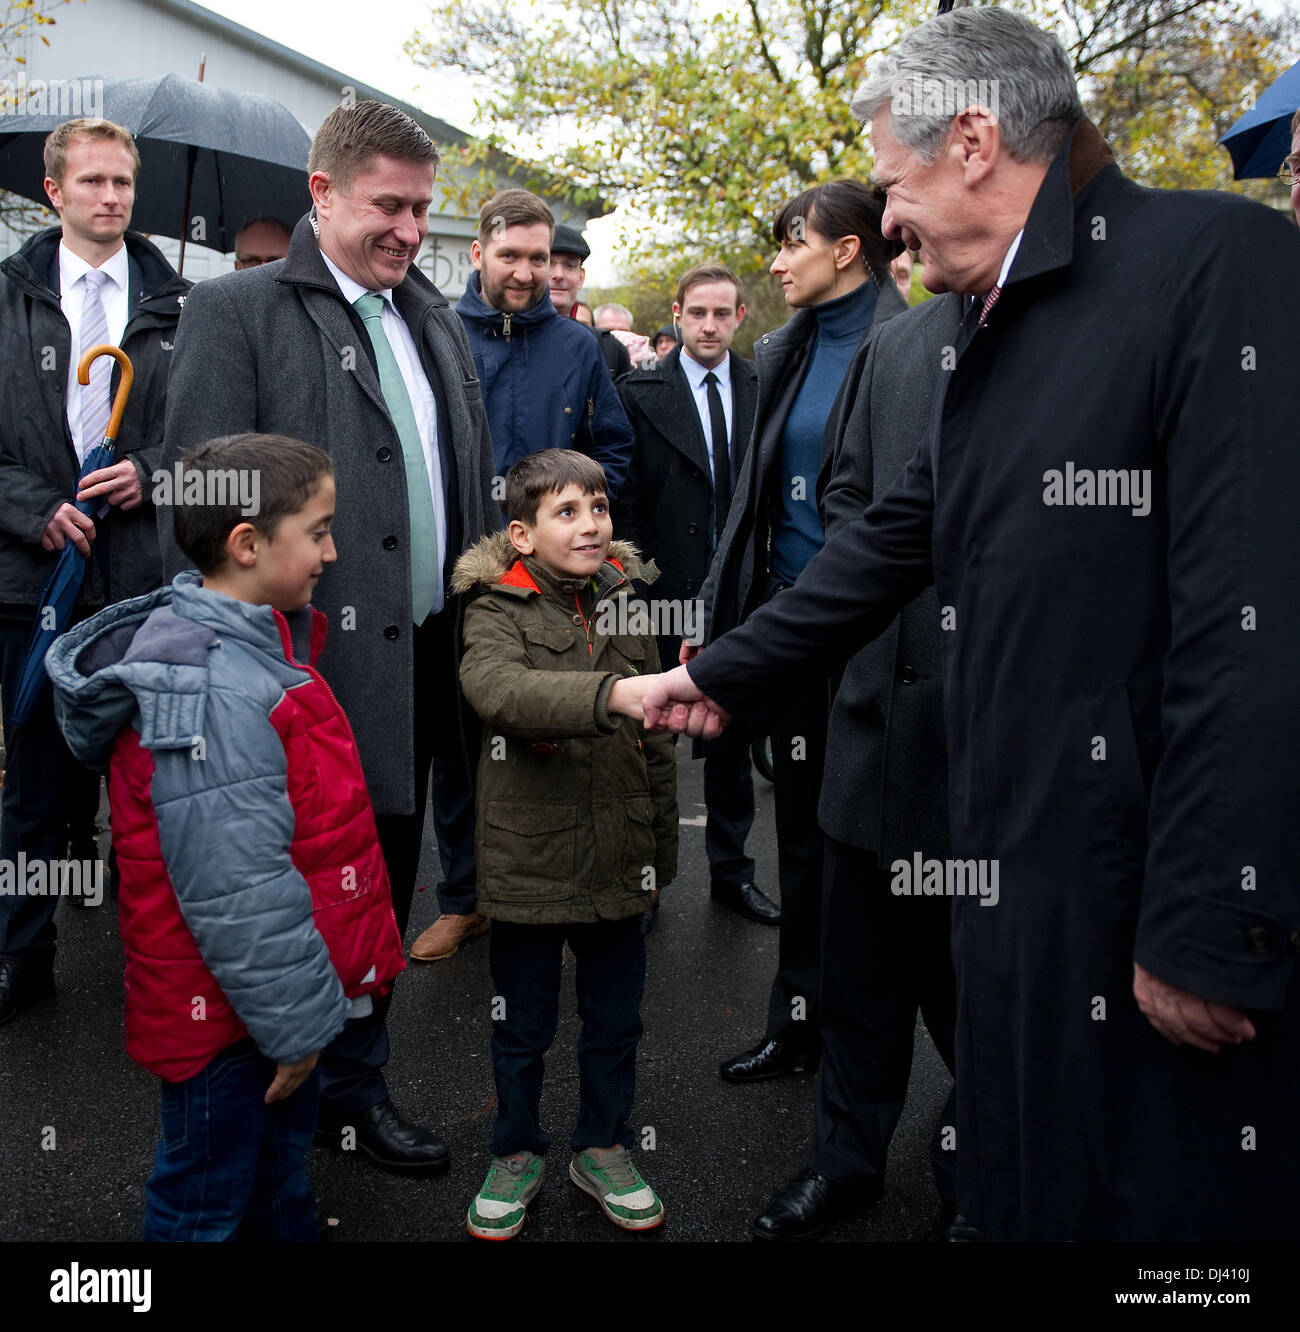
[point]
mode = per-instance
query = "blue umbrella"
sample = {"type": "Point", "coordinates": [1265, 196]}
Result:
{"type": "Point", "coordinates": [1262, 137]}
{"type": "Point", "coordinates": [59, 596]}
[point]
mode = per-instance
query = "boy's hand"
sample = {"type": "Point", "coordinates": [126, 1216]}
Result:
{"type": "Point", "coordinates": [688, 652]}
{"type": "Point", "coordinates": [626, 695]}
{"type": "Point", "coordinates": [675, 703]}
{"type": "Point", "coordinates": [289, 1077]}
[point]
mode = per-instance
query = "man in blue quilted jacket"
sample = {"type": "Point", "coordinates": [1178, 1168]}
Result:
{"type": "Point", "coordinates": [544, 378]}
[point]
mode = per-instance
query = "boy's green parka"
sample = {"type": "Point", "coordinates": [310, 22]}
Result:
{"type": "Point", "coordinates": [577, 809]}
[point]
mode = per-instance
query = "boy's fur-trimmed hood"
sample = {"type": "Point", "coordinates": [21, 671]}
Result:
{"type": "Point", "coordinates": [488, 561]}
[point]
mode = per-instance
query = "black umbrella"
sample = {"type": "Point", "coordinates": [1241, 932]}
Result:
{"type": "Point", "coordinates": [211, 160]}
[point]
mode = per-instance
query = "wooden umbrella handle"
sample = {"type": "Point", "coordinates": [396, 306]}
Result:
{"type": "Point", "coordinates": [123, 386]}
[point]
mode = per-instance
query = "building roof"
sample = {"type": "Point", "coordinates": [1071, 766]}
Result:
{"type": "Point", "coordinates": [436, 129]}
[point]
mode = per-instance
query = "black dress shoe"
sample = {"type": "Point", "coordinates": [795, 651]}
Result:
{"type": "Point", "coordinates": [768, 1059]}
{"type": "Point", "coordinates": [810, 1203]}
{"type": "Point", "coordinates": [387, 1139]}
{"type": "Point", "coordinates": [23, 980]}
{"type": "Point", "coordinates": [746, 898]}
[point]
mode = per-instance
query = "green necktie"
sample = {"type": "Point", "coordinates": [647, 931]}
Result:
{"type": "Point", "coordinates": [424, 535]}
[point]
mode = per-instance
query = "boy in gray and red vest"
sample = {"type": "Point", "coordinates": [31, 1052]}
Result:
{"type": "Point", "coordinates": [255, 906]}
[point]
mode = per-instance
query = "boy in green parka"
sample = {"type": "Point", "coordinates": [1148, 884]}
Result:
{"type": "Point", "coordinates": [577, 825]}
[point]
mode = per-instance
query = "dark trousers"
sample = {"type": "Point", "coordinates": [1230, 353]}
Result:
{"type": "Point", "coordinates": [610, 975]}
{"type": "Point", "coordinates": [883, 958]}
{"type": "Point", "coordinates": [798, 758]}
{"type": "Point", "coordinates": [729, 810]}
{"type": "Point", "coordinates": [44, 786]}
{"type": "Point", "coordinates": [229, 1166]}
{"type": "Point", "coordinates": [351, 1066]}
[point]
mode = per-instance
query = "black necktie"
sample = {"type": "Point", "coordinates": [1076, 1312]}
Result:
{"type": "Point", "coordinates": [721, 462]}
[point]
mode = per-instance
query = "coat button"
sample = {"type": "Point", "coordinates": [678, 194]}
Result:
{"type": "Point", "coordinates": [1293, 944]}
{"type": "Point", "coordinates": [577, 619]}
{"type": "Point", "coordinates": [391, 632]}
{"type": "Point", "coordinates": [384, 454]}
{"type": "Point", "coordinates": [390, 543]}
{"type": "Point", "coordinates": [907, 675]}
{"type": "Point", "coordinates": [568, 411]}
{"type": "Point", "coordinates": [690, 587]}
{"type": "Point", "coordinates": [692, 528]}
{"type": "Point", "coordinates": [1259, 939]}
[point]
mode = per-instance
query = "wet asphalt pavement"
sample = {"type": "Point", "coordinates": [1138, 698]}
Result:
{"type": "Point", "coordinates": [79, 1120]}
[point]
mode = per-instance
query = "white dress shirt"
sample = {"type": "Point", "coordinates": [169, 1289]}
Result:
{"type": "Point", "coordinates": [72, 298]}
{"type": "Point", "coordinates": [1011, 257]}
{"type": "Point", "coordinates": [695, 373]}
{"type": "Point", "coordinates": [423, 403]}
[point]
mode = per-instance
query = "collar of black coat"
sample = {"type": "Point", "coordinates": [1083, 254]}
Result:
{"type": "Point", "coordinates": [36, 267]}
{"type": "Point", "coordinates": [472, 306]}
{"type": "Point", "coordinates": [303, 266]}
{"type": "Point", "coordinates": [494, 563]}
{"type": "Point", "coordinates": [1048, 242]}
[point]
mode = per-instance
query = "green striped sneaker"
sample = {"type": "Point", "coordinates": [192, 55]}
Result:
{"type": "Point", "coordinates": [498, 1212]}
{"type": "Point", "coordinates": [616, 1184]}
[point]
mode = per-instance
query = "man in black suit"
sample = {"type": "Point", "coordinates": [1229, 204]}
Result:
{"type": "Point", "coordinates": [84, 283]}
{"type": "Point", "coordinates": [693, 413]}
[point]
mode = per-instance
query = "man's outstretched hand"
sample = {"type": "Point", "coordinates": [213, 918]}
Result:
{"type": "Point", "coordinates": [673, 703]}
{"type": "Point", "coordinates": [1188, 1019]}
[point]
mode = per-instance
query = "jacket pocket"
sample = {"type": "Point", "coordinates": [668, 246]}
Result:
{"type": "Point", "coordinates": [555, 639]}
{"type": "Point", "coordinates": [530, 850]}
{"type": "Point", "coordinates": [632, 649]}
{"type": "Point", "coordinates": [640, 848]}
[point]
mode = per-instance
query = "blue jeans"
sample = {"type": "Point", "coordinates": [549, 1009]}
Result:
{"type": "Point", "coordinates": [525, 965]}
{"type": "Point", "coordinates": [229, 1166]}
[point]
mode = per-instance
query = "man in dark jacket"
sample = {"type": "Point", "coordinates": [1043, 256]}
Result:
{"type": "Point", "coordinates": [568, 253]}
{"type": "Point", "coordinates": [1105, 501]}
{"type": "Point", "coordinates": [85, 282]}
{"type": "Point", "coordinates": [691, 438]}
{"type": "Point", "coordinates": [543, 379]}
{"type": "Point", "coordinates": [345, 343]}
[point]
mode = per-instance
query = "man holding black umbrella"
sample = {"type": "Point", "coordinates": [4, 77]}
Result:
{"type": "Point", "coordinates": [85, 282]}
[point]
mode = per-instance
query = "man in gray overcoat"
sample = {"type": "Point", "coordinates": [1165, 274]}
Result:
{"type": "Point", "coordinates": [344, 343]}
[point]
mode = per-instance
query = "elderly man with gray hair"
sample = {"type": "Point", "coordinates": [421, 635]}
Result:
{"type": "Point", "coordinates": [1105, 500]}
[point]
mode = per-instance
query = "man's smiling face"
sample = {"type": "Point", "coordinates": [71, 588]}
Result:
{"type": "Point", "coordinates": [927, 207]}
{"type": "Point", "coordinates": [373, 229]}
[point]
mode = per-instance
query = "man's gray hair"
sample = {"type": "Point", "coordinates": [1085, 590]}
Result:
{"type": "Point", "coordinates": [978, 55]}
{"type": "Point", "coordinates": [613, 307]}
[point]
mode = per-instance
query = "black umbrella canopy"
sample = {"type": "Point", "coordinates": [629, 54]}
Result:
{"type": "Point", "coordinates": [241, 155]}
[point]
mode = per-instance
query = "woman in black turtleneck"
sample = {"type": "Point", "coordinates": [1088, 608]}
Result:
{"type": "Point", "coordinates": [833, 266]}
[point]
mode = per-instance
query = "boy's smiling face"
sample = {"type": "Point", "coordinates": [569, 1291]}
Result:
{"type": "Point", "coordinates": [570, 535]}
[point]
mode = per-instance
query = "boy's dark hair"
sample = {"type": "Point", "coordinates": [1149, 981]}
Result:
{"type": "Point", "coordinates": [841, 208]}
{"type": "Point", "coordinates": [286, 470]}
{"type": "Point", "coordinates": [545, 473]}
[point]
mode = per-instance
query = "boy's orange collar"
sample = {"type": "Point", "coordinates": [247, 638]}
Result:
{"type": "Point", "coordinates": [518, 576]}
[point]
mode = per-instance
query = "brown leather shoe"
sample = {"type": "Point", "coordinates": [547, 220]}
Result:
{"type": "Point", "coordinates": [446, 935]}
